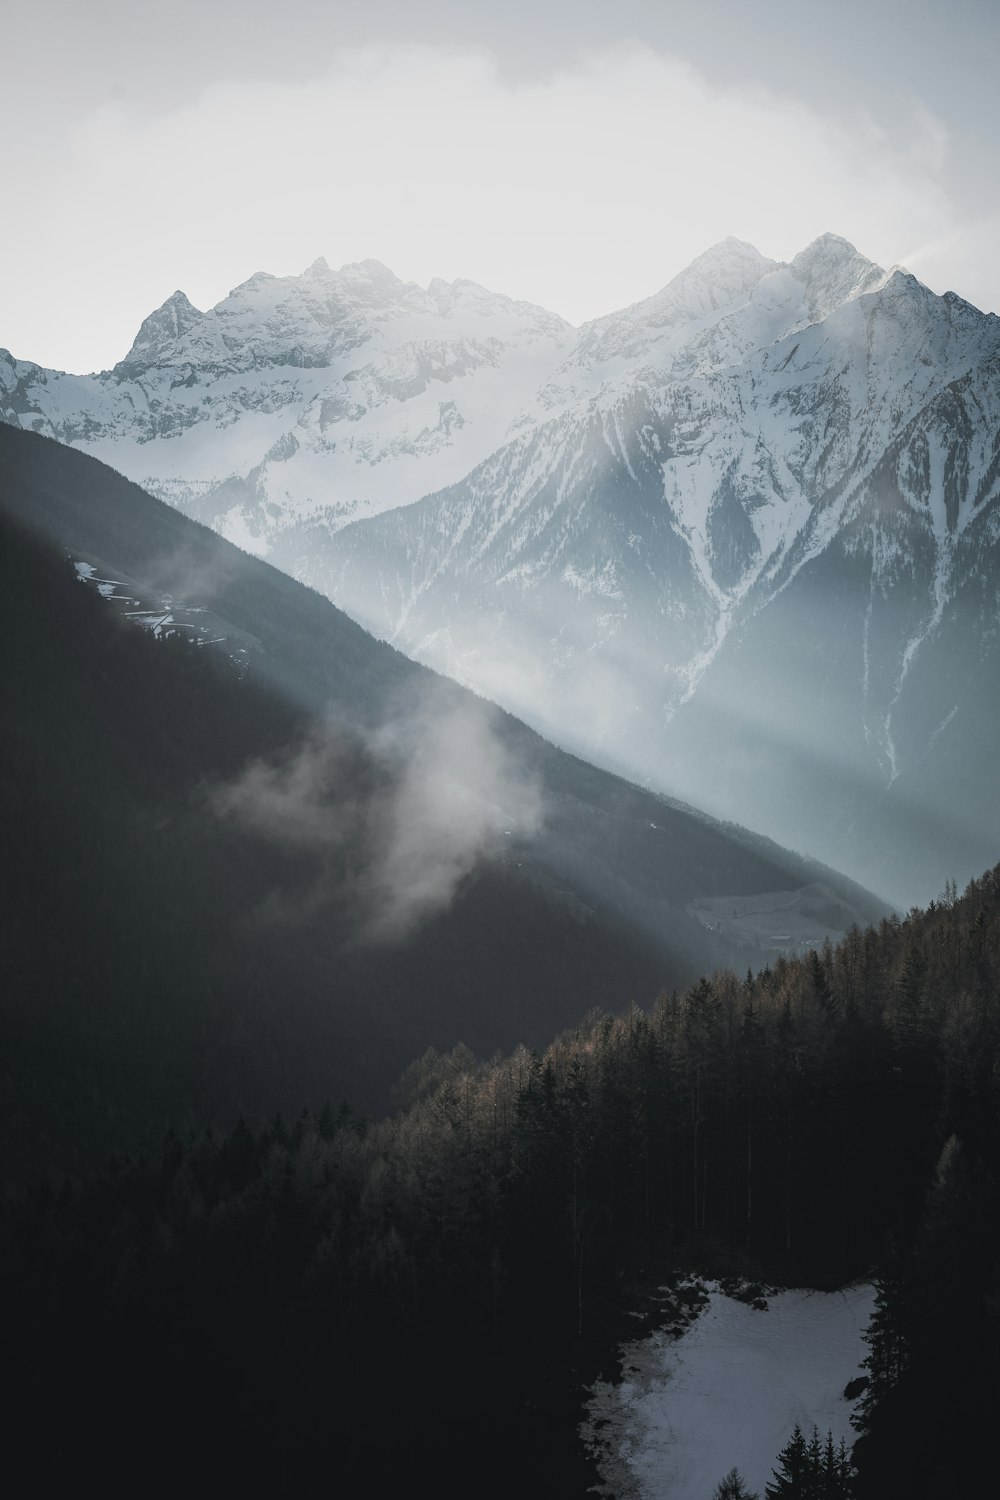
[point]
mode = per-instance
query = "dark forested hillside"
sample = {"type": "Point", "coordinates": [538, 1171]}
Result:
{"type": "Point", "coordinates": [425, 1295]}
{"type": "Point", "coordinates": [164, 964]}
{"type": "Point", "coordinates": [650, 858]}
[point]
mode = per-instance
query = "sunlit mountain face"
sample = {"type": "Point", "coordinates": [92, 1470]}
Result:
{"type": "Point", "coordinates": [320, 397]}
{"type": "Point", "coordinates": [738, 540]}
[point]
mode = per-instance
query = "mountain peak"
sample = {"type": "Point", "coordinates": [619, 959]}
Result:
{"type": "Point", "coordinates": [900, 282]}
{"type": "Point", "coordinates": [725, 255]}
{"type": "Point", "coordinates": [258, 279]}
{"type": "Point", "coordinates": [725, 272]}
{"type": "Point", "coordinates": [828, 245]}
{"type": "Point", "coordinates": [825, 255]}
{"type": "Point", "coordinates": [161, 330]}
{"type": "Point", "coordinates": [369, 270]}
{"type": "Point", "coordinates": [728, 246]}
{"type": "Point", "coordinates": [319, 267]}
{"type": "Point", "coordinates": [834, 272]}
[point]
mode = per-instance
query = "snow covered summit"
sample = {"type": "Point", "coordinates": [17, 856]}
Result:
{"type": "Point", "coordinates": [314, 397]}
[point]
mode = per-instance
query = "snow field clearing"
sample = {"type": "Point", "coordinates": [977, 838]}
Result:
{"type": "Point", "coordinates": [728, 1391]}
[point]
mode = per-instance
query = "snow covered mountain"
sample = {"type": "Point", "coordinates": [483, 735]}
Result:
{"type": "Point", "coordinates": [318, 397]}
{"type": "Point", "coordinates": [739, 540]}
{"type": "Point", "coordinates": [743, 544]}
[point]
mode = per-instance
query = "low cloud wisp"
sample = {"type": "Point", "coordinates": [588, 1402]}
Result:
{"type": "Point", "coordinates": [395, 824]}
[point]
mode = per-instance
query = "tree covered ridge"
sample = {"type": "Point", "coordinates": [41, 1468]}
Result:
{"type": "Point", "coordinates": [436, 1286]}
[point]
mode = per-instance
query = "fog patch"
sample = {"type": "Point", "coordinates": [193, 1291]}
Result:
{"type": "Point", "coordinates": [395, 821]}
{"type": "Point", "coordinates": [295, 799]}
{"type": "Point", "coordinates": [195, 573]}
{"type": "Point", "coordinates": [596, 704]}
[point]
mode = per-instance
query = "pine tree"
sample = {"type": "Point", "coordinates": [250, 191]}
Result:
{"type": "Point", "coordinates": [812, 1479]}
{"type": "Point", "coordinates": [790, 1475]}
{"type": "Point", "coordinates": [811, 1470]}
{"type": "Point", "coordinates": [886, 1336]}
{"type": "Point", "coordinates": [819, 970]}
{"type": "Point", "coordinates": [734, 1487]}
{"type": "Point", "coordinates": [838, 1471]}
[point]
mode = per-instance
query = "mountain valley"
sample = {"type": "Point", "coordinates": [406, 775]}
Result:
{"type": "Point", "coordinates": [346, 840]}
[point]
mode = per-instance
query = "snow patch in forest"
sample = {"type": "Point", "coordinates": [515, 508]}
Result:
{"type": "Point", "coordinates": [728, 1391]}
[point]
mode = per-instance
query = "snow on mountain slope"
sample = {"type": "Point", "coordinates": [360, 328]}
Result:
{"type": "Point", "coordinates": [728, 302]}
{"type": "Point", "coordinates": [750, 555]}
{"type": "Point", "coordinates": [739, 539]}
{"type": "Point", "coordinates": [327, 395]}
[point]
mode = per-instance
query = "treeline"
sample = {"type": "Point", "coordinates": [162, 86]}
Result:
{"type": "Point", "coordinates": [806, 1469]}
{"type": "Point", "coordinates": [427, 1294]}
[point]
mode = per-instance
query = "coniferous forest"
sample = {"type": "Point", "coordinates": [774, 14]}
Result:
{"type": "Point", "coordinates": [228, 1248]}
{"type": "Point", "coordinates": [426, 1293]}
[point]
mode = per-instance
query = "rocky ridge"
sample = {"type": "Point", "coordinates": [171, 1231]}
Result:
{"type": "Point", "coordinates": [318, 397]}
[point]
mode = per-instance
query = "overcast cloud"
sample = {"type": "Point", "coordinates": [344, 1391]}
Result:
{"type": "Point", "coordinates": [583, 185]}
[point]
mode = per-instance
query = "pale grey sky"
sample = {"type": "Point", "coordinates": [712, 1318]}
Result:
{"type": "Point", "coordinates": [575, 154]}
